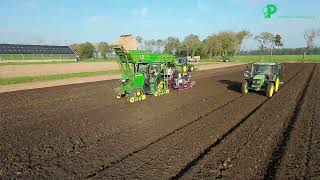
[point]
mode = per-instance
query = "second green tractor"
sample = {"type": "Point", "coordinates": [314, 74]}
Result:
{"type": "Point", "coordinates": [263, 77]}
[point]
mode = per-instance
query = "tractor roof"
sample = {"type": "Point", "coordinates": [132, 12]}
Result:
{"type": "Point", "coordinates": [265, 63]}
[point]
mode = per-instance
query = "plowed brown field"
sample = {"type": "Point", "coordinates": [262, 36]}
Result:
{"type": "Point", "coordinates": [210, 131]}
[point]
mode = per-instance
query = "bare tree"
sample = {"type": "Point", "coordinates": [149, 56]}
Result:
{"type": "Point", "coordinates": [265, 39]}
{"type": "Point", "coordinates": [140, 41]}
{"type": "Point", "coordinates": [310, 37]}
{"type": "Point", "coordinates": [243, 36]}
{"type": "Point", "coordinates": [159, 45]}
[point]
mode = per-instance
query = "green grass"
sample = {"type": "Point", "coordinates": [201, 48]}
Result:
{"type": "Point", "coordinates": [277, 58]}
{"type": "Point", "coordinates": [35, 56]}
{"type": "Point", "coordinates": [26, 79]}
{"type": "Point", "coordinates": [266, 58]}
{"type": "Point", "coordinates": [28, 63]}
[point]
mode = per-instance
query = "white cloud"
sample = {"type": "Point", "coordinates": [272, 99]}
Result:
{"type": "Point", "coordinates": [144, 11]}
{"type": "Point", "coordinates": [96, 19]}
{"type": "Point", "coordinates": [140, 12]}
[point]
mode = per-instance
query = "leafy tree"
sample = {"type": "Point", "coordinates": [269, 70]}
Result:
{"type": "Point", "coordinates": [103, 48]}
{"type": "Point", "coordinates": [75, 48]}
{"type": "Point", "coordinates": [191, 43]}
{"type": "Point", "coordinates": [275, 42]}
{"type": "Point", "coordinates": [228, 43]}
{"type": "Point", "coordinates": [172, 45]}
{"type": "Point", "coordinates": [212, 45]}
{"type": "Point", "coordinates": [86, 50]}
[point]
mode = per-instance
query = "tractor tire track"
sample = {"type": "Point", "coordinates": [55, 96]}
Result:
{"type": "Point", "coordinates": [240, 155]}
{"type": "Point", "coordinates": [279, 152]}
{"type": "Point", "coordinates": [295, 162]}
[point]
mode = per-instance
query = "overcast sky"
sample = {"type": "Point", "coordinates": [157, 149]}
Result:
{"type": "Point", "coordinates": [70, 21]}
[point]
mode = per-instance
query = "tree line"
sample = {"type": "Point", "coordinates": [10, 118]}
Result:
{"type": "Point", "coordinates": [282, 51]}
{"type": "Point", "coordinates": [222, 44]}
{"type": "Point", "coordinates": [91, 50]}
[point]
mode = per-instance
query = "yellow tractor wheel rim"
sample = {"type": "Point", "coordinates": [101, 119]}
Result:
{"type": "Point", "coordinates": [131, 99]}
{"type": "Point", "coordinates": [138, 93]}
{"type": "Point", "coordinates": [271, 90]}
{"type": "Point", "coordinates": [184, 69]}
{"type": "Point", "coordinates": [246, 88]}
{"type": "Point", "coordinates": [160, 88]}
{"type": "Point", "coordinates": [143, 97]}
{"type": "Point", "coordinates": [118, 96]}
{"type": "Point", "coordinates": [277, 85]}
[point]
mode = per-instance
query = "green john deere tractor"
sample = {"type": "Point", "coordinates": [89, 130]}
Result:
{"type": "Point", "coordinates": [266, 77]}
{"type": "Point", "coordinates": [143, 73]}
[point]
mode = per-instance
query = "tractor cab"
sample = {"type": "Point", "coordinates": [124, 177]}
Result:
{"type": "Point", "coordinates": [265, 77]}
{"type": "Point", "coordinates": [153, 75]}
{"type": "Point", "coordinates": [183, 62]}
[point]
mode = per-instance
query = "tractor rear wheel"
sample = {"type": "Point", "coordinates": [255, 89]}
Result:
{"type": "Point", "coordinates": [245, 87]}
{"type": "Point", "coordinates": [270, 90]}
{"type": "Point", "coordinates": [161, 89]}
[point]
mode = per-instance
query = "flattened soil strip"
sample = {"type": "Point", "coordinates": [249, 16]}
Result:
{"type": "Point", "coordinates": [279, 152]}
{"type": "Point", "coordinates": [183, 171]}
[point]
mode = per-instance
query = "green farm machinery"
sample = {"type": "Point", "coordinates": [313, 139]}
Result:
{"type": "Point", "coordinates": [183, 62]}
{"type": "Point", "coordinates": [148, 73]}
{"type": "Point", "coordinates": [265, 77]}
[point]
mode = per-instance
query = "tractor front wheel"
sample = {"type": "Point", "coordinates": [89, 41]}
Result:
{"type": "Point", "coordinates": [270, 90]}
{"type": "Point", "coordinates": [136, 95]}
{"type": "Point", "coordinates": [245, 87]}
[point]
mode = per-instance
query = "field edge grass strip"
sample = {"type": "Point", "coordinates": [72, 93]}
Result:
{"type": "Point", "coordinates": [28, 79]}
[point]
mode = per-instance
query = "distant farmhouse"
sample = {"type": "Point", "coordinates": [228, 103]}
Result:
{"type": "Point", "coordinates": [19, 52]}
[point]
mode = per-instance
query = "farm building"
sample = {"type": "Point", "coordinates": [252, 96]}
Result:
{"type": "Point", "coordinates": [18, 52]}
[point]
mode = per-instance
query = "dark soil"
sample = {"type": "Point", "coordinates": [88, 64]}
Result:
{"type": "Point", "coordinates": [209, 131]}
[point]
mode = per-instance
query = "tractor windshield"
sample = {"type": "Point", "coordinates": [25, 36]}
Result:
{"type": "Point", "coordinates": [261, 69]}
{"type": "Point", "coordinates": [182, 61]}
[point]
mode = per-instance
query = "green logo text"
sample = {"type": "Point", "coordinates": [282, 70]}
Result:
{"type": "Point", "coordinates": [269, 9]}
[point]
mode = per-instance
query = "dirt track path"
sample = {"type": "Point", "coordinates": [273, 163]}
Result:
{"type": "Point", "coordinates": [63, 68]}
{"type": "Point", "coordinates": [80, 131]}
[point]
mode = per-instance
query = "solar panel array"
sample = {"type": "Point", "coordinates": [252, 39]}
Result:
{"type": "Point", "coordinates": [34, 49]}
